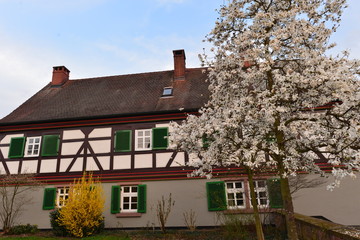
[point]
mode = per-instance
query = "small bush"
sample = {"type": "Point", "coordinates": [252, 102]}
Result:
{"type": "Point", "coordinates": [87, 231]}
{"type": "Point", "coordinates": [190, 219]}
{"type": "Point", "coordinates": [58, 230]}
{"type": "Point", "coordinates": [238, 227]}
{"type": "Point", "coordinates": [21, 229]}
{"type": "Point", "coordinates": [163, 209]}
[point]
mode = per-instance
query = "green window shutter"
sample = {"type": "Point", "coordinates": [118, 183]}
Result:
{"type": "Point", "coordinates": [216, 196]}
{"type": "Point", "coordinates": [274, 190]}
{"type": "Point", "coordinates": [205, 142]}
{"type": "Point", "coordinates": [115, 199]}
{"type": "Point", "coordinates": [123, 141]}
{"type": "Point", "coordinates": [49, 198]}
{"type": "Point", "coordinates": [159, 138]}
{"type": "Point", "coordinates": [17, 146]}
{"type": "Point", "coordinates": [141, 198]}
{"type": "Point", "coordinates": [50, 146]}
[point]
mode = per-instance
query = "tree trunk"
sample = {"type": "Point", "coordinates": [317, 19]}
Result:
{"type": "Point", "coordinates": [289, 209]}
{"type": "Point", "coordinates": [258, 226]}
{"type": "Point", "coordinates": [284, 184]}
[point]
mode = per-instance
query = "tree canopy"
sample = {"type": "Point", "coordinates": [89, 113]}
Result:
{"type": "Point", "coordinates": [277, 98]}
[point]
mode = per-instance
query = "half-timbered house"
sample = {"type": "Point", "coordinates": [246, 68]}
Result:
{"type": "Point", "coordinates": [116, 127]}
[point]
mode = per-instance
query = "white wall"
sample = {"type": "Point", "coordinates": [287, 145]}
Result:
{"type": "Point", "coordinates": [342, 205]}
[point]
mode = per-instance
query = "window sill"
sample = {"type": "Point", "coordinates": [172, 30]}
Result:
{"type": "Point", "coordinates": [128, 215]}
{"type": "Point", "coordinates": [30, 156]}
{"type": "Point", "coordinates": [246, 210]}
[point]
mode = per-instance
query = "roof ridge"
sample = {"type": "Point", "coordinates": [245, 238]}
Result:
{"type": "Point", "coordinates": [131, 74]}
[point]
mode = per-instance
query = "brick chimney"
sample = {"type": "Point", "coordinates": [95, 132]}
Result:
{"type": "Point", "coordinates": [179, 64]}
{"type": "Point", "coordinates": [60, 76]}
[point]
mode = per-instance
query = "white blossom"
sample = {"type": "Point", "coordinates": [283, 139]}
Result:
{"type": "Point", "coordinates": [269, 81]}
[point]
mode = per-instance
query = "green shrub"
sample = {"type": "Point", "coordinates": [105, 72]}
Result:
{"type": "Point", "coordinates": [21, 229]}
{"type": "Point", "coordinates": [238, 227]}
{"type": "Point", "coordinates": [58, 230]}
{"type": "Point", "coordinates": [95, 229]}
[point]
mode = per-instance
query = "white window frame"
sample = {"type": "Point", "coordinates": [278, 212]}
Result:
{"type": "Point", "coordinates": [261, 190]}
{"type": "Point", "coordinates": [129, 197]}
{"type": "Point", "coordinates": [32, 147]}
{"type": "Point", "coordinates": [62, 195]}
{"type": "Point", "coordinates": [142, 139]}
{"type": "Point", "coordinates": [234, 191]}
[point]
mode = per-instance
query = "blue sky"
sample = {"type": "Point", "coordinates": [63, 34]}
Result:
{"type": "Point", "coordinates": [110, 37]}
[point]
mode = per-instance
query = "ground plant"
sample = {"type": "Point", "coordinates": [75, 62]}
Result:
{"type": "Point", "coordinates": [190, 219]}
{"type": "Point", "coordinates": [163, 209]}
{"type": "Point", "coordinates": [57, 229]}
{"type": "Point", "coordinates": [237, 226]}
{"type": "Point", "coordinates": [23, 229]}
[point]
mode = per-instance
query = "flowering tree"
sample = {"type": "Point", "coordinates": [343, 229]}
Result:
{"type": "Point", "coordinates": [276, 98]}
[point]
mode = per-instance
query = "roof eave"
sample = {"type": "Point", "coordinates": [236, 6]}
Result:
{"type": "Point", "coordinates": [97, 117]}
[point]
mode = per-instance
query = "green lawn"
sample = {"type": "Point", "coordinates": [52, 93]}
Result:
{"type": "Point", "coordinates": [131, 235]}
{"type": "Point", "coordinates": [97, 237]}
{"type": "Point", "coordinates": [106, 235]}
{"type": "Point", "coordinates": [202, 234]}
{"type": "Point", "coordinates": [55, 238]}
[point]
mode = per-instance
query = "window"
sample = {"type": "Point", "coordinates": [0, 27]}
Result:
{"type": "Point", "coordinates": [235, 194]}
{"type": "Point", "coordinates": [32, 147]}
{"type": "Point", "coordinates": [147, 139]}
{"type": "Point", "coordinates": [62, 196]}
{"type": "Point", "coordinates": [143, 139]}
{"type": "Point", "coordinates": [128, 199]}
{"type": "Point", "coordinates": [168, 91]}
{"type": "Point", "coordinates": [261, 193]}
{"type": "Point", "coordinates": [55, 197]}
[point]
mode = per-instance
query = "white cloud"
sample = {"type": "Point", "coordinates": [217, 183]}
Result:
{"type": "Point", "coordinates": [153, 54]}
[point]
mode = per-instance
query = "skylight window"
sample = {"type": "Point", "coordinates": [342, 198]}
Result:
{"type": "Point", "coordinates": [168, 91]}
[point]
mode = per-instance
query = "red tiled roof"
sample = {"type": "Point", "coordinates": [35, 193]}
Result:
{"type": "Point", "coordinates": [113, 95]}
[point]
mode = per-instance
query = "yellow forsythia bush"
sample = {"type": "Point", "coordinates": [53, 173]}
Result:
{"type": "Point", "coordinates": [82, 213]}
